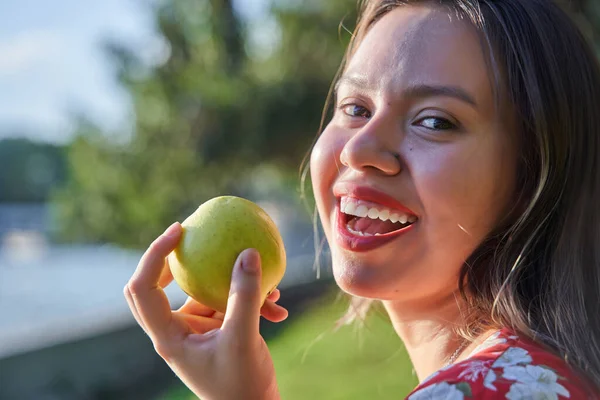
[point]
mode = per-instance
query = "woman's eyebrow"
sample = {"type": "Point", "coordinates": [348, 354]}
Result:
{"type": "Point", "coordinates": [421, 91]}
{"type": "Point", "coordinates": [414, 91]}
{"type": "Point", "coordinates": [351, 80]}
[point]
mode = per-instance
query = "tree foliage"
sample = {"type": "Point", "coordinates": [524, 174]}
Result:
{"type": "Point", "coordinates": [205, 119]}
{"type": "Point", "coordinates": [30, 171]}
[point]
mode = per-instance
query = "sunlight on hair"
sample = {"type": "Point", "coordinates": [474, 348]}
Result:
{"type": "Point", "coordinates": [318, 246]}
{"type": "Point", "coordinates": [342, 28]}
{"type": "Point", "coordinates": [463, 229]}
{"type": "Point", "coordinates": [311, 344]}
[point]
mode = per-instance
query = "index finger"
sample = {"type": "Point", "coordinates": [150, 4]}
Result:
{"type": "Point", "coordinates": [166, 277]}
{"type": "Point", "coordinates": [150, 301]}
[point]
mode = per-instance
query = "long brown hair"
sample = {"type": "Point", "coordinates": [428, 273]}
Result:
{"type": "Point", "coordinates": [538, 273]}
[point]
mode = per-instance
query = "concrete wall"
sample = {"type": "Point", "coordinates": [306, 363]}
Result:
{"type": "Point", "coordinates": [118, 365]}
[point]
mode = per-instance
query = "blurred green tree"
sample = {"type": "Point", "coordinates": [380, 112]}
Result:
{"type": "Point", "coordinates": [218, 106]}
{"type": "Point", "coordinates": [587, 14]}
{"type": "Point", "coordinates": [30, 171]}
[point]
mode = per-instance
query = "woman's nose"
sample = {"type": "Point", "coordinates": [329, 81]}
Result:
{"type": "Point", "coordinates": [369, 149]}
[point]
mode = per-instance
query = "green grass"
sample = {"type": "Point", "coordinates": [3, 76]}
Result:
{"type": "Point", "coordinates": [314, 361]}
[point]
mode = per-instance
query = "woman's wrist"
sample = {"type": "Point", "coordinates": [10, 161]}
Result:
{"type": "Point", "coordinates": [272, 393]}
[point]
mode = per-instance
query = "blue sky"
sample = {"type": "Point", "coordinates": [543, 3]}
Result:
{"type": "Point", "coordinates": [52, 64]}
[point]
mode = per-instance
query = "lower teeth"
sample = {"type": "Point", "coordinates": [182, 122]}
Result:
{"type": "Point", "coordinates": [359, 233]}
{"type": "Point", "coordinates": [365, 234]}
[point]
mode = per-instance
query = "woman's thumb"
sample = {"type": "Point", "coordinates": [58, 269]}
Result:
{"type": "Point", "coordinates": [243, 307]}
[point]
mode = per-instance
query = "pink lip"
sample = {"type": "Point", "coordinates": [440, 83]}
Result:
{"type": "Point", "coordinates": [355, 243]}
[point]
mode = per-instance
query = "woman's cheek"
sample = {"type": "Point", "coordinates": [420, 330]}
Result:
{"type": "Point", "coordinates": [324, 161]}
{"type": "Point", "coordinates": [321, 174]}
{"type": "Point", "coordinates": [318, 161]}
{"type": "Point", "coordinates": [440, 178]}
{"type": "Point", "coordinates": [459, 191]}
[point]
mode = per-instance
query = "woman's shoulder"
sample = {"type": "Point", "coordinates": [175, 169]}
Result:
{"type": "Point", "coordinates": [506, 366]}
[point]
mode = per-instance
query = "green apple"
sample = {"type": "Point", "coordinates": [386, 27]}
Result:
{"type": "Point", "coordinates": [213, 237]}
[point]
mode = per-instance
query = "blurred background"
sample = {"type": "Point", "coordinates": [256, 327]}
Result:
{"type": "Point", "coordinates": [118, 118]}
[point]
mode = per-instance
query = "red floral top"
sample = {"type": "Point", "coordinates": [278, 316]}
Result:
{"type": "Point", "coordinates": [506, 366]}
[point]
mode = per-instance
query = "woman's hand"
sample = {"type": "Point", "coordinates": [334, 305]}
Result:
{"type": "Point", "coordinates": [218, 356]}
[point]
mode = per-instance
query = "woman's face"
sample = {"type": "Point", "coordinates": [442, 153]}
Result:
{"type": "Point", "coordinates": [415, 167]}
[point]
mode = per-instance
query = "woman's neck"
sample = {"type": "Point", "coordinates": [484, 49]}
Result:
{"type": "Point", "coordinates": [429, 333]}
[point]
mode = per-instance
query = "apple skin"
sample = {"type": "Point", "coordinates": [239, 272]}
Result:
{"type": "Point", "coordinates": [213, 237]}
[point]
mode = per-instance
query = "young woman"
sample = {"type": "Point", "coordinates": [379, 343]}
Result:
{"type": "Point", "coordinates": [458, 183]}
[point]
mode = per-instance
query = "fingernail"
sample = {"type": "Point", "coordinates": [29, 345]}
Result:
{"type": "Point", "coordinates": [172, 230]}
{"type": "Point", "coordinates": [249, 263]}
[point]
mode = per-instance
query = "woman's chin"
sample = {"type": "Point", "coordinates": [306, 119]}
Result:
{"type": "Point", "coordinates": [378, 283]}
{"type": "Point", "coordinates": [360, 282]}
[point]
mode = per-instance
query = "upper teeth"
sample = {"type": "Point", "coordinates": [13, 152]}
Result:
{"type": "Point", "coordinates": [361, 209]}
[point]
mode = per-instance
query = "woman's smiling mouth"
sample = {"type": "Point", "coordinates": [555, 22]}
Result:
{"type": "Point", "coordinates": [364, 218]}
{"type": "Point", "coordinates": [367, 219]}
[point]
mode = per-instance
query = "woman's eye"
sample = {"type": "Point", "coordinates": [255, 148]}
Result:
{"type": "Point", "coordinates": [436, 123]}
{"type": "Point", "coordinates": [354, 110]}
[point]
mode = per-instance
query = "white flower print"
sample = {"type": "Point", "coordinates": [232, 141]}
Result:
{"type": "Point", "coordinates": [512, 356]}
{"type": "Point", "coordinates": [489, 380]}
{"type": "Point", "coordinates": [534, 382]}
{"type": "Point", "coordinates": [521, 391]}
{"type": "Point", "coordinates": [474, 370]}
{"type": "Point", "coordinates": [438, 391]}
